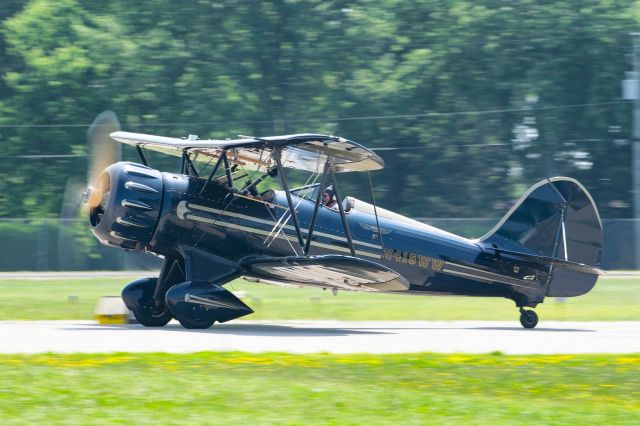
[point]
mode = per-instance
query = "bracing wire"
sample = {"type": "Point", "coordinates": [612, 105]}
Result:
{"type": "Point", "coordinates": [288, 215]}
{"type": "Point", "coordinates": [307, 188]}
{"type": "Point", "coordinates": [375, 210]}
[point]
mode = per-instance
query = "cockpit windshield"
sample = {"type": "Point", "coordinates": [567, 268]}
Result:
{"type": "Point", "coordinates": [308, 192]}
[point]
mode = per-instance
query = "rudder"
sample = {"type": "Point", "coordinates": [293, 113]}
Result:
{"type": "Point", "coordinates": [556, 218]}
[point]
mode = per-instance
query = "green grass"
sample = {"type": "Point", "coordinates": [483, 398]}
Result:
{"type": "Point", "coordinates": [237, 388]}
{"type": "Point", "coordinates": [611, 299]}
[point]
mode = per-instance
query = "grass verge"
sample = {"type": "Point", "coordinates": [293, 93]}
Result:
{"type": "Point", "coordinates": [226, 388]}
{"type": "Point", "coordinates": [610, 300]}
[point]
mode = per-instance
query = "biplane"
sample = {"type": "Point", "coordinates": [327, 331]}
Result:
{"type": "Point", "coordinates": [211, 224]}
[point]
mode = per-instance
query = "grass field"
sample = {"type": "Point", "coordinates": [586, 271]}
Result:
{"type": "Point", "coordinates": [237, 388]}
{"type": "Point", "coordinates": [611, 299]}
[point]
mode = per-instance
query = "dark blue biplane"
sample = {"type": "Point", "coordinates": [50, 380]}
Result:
{"type": "Point", "coordinates": [212, 228]}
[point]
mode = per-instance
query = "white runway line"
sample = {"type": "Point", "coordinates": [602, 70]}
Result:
{"type": "Point", "coordinates": [551, 337]}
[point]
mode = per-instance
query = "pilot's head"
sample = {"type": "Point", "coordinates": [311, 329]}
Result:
{"type": "Point", "coordinates": [328, 196]}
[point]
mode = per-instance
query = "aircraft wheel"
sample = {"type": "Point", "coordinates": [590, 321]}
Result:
{"type": "Point", "coordinates": [528, 319]}
{"type": "Point", "coordinates": [193, 323]}
{"type": "Point", "coordinates": [138, 297]}
{"type": "Point", "coordinates": [153, 317]}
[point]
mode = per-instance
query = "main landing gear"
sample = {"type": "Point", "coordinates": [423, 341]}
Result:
{"type": "Point", "coordinates": [190, 291]}
{"type": "Point", "coordinates": [138, 296]}
{"type": "Point", "coordinates": [528, 319]}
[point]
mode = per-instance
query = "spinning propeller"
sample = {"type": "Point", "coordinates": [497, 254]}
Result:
{"type": "Point", "coordinates": [103, 151]}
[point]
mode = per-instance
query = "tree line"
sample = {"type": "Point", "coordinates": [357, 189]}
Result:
{"type": "Point", "coordinates": [469, 102]}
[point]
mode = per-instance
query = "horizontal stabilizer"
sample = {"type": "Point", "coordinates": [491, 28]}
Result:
{"type": "Point", "coordinates": [557, 263]}
{"type": "Point", "coordinates": [336, 271]}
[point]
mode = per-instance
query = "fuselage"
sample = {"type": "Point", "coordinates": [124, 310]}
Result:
{"type": "Point", "coordinates": [235, 227]}
{"type": "Point", "coordinates": [166, 213]}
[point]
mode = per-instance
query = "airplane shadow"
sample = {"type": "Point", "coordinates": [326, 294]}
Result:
{"type": "Point", "coordinates": [515, 328]}
{"type": "Point", "coordinates": [287, 330]}
{"type": "Point", "coordinates": [241, 329]}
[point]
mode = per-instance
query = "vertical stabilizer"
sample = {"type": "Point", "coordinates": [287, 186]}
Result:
{"type": "Point", "coordinates": [557, 219]}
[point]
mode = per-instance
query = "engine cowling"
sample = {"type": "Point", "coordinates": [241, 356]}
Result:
{"type": "Point", "coordinates": [125, 207]}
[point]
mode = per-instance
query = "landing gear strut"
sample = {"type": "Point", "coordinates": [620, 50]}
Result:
{"type": "Point", "coordinates": [528, 319]}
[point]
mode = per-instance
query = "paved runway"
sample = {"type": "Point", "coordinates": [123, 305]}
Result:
{"type": "Point", "coordinates": [324, 336]}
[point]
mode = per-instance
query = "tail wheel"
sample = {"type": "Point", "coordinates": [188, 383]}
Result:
{"type": "Point", "coordinates": [528, 319]}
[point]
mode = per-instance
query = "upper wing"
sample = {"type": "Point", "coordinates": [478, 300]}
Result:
{"type": "Point", "coordinates": [304, 151]}
{"type": "Point", "coordinates": [335, 271]}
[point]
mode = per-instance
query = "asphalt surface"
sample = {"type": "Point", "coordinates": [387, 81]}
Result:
{"type": "Point", "coordinates": [324, 336]}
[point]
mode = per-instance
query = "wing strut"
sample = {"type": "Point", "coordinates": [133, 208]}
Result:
{"type": "Point", "coordinates": [375, 210]}
{"type": "Point", "coordinates": [183, 162]}
{"type": "Point", "coordinates": [186, 164]}
{"type": "Point", "coordinates": [316, 207]}
{"type": "Point", "coordinates": [227, 170]}
{"type": "Point", "coordinates": [285, 185]}
{"type": "Point", "coordinates": [141, 154]}
{"type": "Point", "coordinates": [345, 223]}
{"type": "Point", "coordinates": [213, 172]}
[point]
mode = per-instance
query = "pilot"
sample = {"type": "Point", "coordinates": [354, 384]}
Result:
{"type": "Point", "coordinates": [329, 199]}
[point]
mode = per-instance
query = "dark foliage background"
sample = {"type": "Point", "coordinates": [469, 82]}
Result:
{"type": "Point", "coordinates": [478, 99]}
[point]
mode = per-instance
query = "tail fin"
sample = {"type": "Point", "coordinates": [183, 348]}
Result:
{"type": "Point", "coordinates": [555, 219]}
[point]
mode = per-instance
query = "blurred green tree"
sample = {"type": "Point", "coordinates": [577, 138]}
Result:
{"type": "Point", "coordinates": [481, 96]}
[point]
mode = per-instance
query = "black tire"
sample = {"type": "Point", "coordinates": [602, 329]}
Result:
{"type": "Point", "coordinates": [193, 323]}
{"type": "Point", "coordinates": [138, 297]}
{"type": "Point", "coordinates": [528, 319]}
{"type": "Point", "coordinates": [152, 317]}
